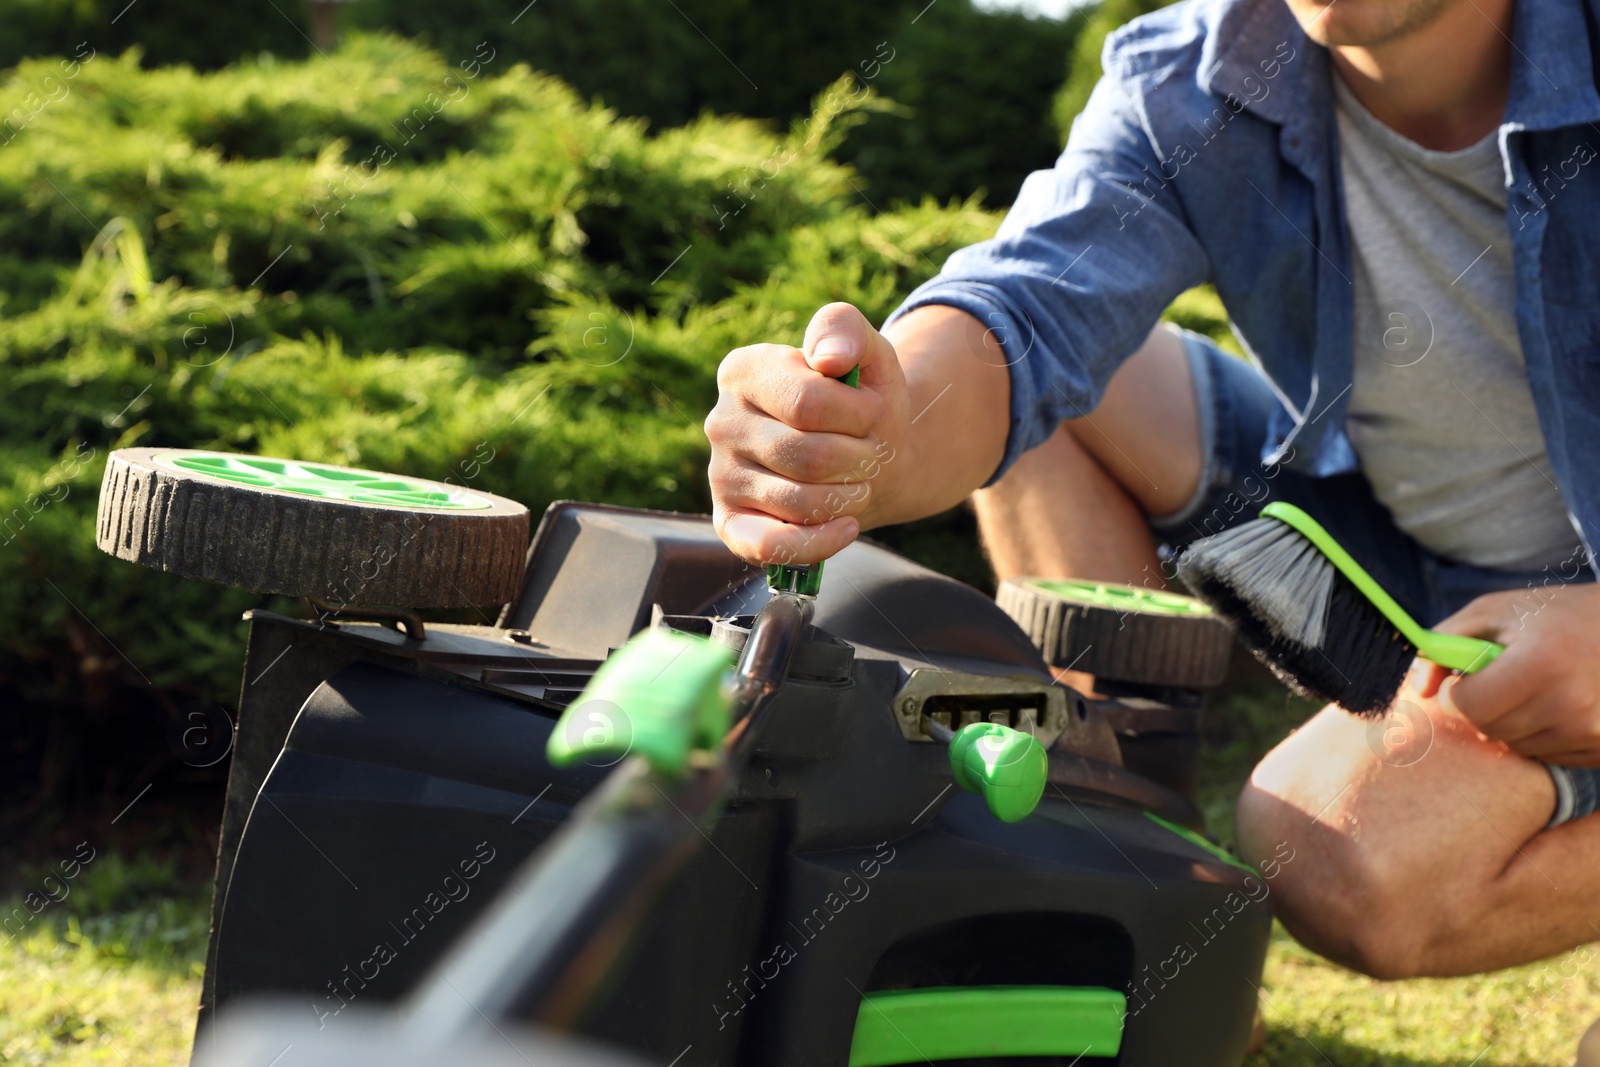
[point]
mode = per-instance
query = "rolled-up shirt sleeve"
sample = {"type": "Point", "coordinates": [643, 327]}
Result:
{"type": "Point", "coordinates": [1081, 268]}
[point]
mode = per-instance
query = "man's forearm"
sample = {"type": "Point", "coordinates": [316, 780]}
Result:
{"type": "Point", "coordinates": [960, 405]}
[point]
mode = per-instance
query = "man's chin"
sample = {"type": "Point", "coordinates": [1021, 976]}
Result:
{"type": "Point", "coordinates": [1363, 23]}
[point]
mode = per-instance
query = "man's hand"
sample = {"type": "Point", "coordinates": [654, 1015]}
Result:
{"type": "Point", "coordinates": [1541, 695]}
{"type": "Point", "coordinates": [794, 454]}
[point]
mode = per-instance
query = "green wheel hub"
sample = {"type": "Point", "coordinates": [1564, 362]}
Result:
{"type": "Point", "coordinates": [325, 481]}
{"type": "Point", "coordinates": [1121, 597]}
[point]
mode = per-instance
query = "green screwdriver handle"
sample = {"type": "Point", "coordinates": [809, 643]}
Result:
{"type": "Point", "coordinates": [1451, 651]}
{"type": "Point", "coordinates": [805, 579]}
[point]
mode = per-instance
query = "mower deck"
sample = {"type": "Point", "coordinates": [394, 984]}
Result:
{"type": "Point", "coordinates": [384, 788]}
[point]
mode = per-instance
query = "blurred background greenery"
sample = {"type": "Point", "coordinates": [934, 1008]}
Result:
{"type": "Point", "coordinates": [214, 233]}
{"type": "Point", "coordinates": [534, 230]}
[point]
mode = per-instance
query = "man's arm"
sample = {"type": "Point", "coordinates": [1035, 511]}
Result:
{"type": "Point", "coordinates": [960, 414]}
{"type": "Point", "coordinates": [982, 362]}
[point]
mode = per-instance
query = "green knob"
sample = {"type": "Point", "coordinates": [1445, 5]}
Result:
{"type": "Point", "coordinates": [1006, 766]}
{"type": "Point", "coordinates": [659, 695]}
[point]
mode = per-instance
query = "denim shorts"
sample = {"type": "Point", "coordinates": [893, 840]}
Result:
{"type": "Point", "coordinates": [1234, 404]}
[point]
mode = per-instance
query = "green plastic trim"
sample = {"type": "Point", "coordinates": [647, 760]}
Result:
{"type": "Point", "coordinates": [328, 482]}
{"type": "Point", "coordinates": [1006, 767]}
{"type": "Point", "coordinates": [895, 1026]}
{"type": "Point", "coordinates": [1200, 842]}
{"type": "Point", "coordinates": [1120, 597]}
{"type": "Point", "coordinates": [660, 695]}
{"type": "Point", "coordinates": [1452, 651]}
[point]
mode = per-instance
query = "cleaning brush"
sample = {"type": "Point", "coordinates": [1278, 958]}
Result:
{"type": "Point", "coordinates": [1313, 615]}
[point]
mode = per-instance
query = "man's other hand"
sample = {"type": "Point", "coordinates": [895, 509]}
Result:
{"type": "Point", "coordinates": [1541, 696]}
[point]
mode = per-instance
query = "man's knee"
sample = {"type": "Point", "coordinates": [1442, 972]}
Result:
{"type": "Point", "coordinates": [1337, 895]}
{"type": "Point", "coordinates": [1401, 852]}
{"type": "Point", "coordinates": [1371, 837]}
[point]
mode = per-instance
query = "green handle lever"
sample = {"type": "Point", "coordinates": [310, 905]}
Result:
{"type": "Point", "coordinates": [805, 579]}
{"type": "Point", "coordinates": [659, 695]}
{"type": "Point", "coordinates": [1006, 767]}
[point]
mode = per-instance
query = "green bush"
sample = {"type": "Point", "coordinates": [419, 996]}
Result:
{"type": "Point", "coordinates": [976, 85]}
{"type": "Point", "coordinates": [400, 264]}
{"type": "Point", "coordinates": [1104, 17]}
{"type": "Point", "coordinates": [197, 32]}
{"type": "Point", "coordinates": [270, 259]}
{"type": "Point", "coordinates": [975, 91]}
{"type": "Point", "coordinates": [668, 62]}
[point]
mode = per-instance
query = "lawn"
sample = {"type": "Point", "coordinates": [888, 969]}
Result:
{"type": "Point", "coordinates": [112, 974]}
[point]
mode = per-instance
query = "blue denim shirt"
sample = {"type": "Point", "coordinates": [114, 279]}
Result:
{"type": "Point", "coordinates": [1208, 152]}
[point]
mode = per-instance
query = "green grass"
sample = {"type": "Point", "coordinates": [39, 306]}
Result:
{"type": "Point", "coordinates": [1319, 1014]}
{"type": "Point", "coordinates": [112, 974]}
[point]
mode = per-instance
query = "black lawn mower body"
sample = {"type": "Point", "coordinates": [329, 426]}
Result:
{"type": "Point", "coordinates": [385, 788]}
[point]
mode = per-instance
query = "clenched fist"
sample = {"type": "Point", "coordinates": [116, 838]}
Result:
{"type": "Point", "coordinates": [795, 455]}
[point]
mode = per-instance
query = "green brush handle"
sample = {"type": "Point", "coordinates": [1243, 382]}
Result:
{"type": "Point", "coordinates": [1451, 651]}
{"type": "Point", "coordinates": [805, 579]}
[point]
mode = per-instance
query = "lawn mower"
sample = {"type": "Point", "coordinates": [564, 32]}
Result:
{"type": "Point", "coordinates": [661, 806]}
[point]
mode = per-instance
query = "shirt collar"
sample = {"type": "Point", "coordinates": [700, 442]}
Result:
{"type": "Point", "coordinates": [1552, 67]}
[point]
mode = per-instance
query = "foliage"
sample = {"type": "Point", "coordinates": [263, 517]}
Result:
{"type": "Point", "coordinates": [974, 89]}
{"type": "Point", "coordinates": [669, 62]}
{"type": "Point", "coordinates": [977, 85]}
{"type": "Point", "coordinates": [387, 261]}
{"type": "Point", "coordinates": [1085, 66]}
{"type": "Point", "coordinates": [198, 32]}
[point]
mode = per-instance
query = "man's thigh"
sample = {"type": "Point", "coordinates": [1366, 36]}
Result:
{"type": "Point", "coordinates": [1419, 846]}
{"type": "Point", "coordinates": [1147, 431]}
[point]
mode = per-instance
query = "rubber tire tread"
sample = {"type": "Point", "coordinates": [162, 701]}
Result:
{"type": "Point", "coordinates": [344, 552]}
{"type": "Point", "coordinates": [1151, 648]}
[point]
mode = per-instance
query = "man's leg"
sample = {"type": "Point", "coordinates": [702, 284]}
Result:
{"type": "Point", "coordinates": [1423, 858]}
{"type": "Point", "coordinates": [1075, 507]}
{"type": "Point", "coordinates": [1403, 865]}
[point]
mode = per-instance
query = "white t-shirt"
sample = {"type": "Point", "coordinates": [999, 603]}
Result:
{"type": "Point", "coordinates": [1440, 413]}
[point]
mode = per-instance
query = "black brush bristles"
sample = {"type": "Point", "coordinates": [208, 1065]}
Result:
{"type": "Point", "coordinates": [1298, 615]}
